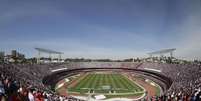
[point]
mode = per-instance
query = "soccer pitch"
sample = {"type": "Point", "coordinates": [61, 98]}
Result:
{"type": "Point", "coordinates": [108, 84]}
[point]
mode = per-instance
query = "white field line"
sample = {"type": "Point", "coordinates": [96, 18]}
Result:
{"type": "Point", "coordinates": [144, 90]}
{"type": "Point", "coordinates": [59, 86]}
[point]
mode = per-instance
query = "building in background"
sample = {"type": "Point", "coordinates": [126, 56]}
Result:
{"type": "Point", "coordinates": [2, 56]}
{"type": "Point", "coordinates": [13, 53]}
{"type": "Point", "coordinates": [15, 57]}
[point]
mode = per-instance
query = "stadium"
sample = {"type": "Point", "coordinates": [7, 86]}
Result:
{"type": "Point", "coordinates": [103, 81]}
{"type": "Point", "coordinates": [111, 80]}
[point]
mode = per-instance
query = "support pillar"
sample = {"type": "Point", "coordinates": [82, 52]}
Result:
{"type": "Point", "coordinates": [171, 54]}
{"type": "Point", "coordinates": [161, 55]}
{"type": "Point", "coordinates": [50, 56]}
{"type": "Point", "coordinates": [38, 57]}
{"type": "Point", "coordinates": [59, 58]}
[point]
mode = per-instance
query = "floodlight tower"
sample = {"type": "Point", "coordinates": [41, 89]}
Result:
{"type": "Point", "coordinates": [50, 52]}
{"type": "Point", "coordinates": [162, 52]}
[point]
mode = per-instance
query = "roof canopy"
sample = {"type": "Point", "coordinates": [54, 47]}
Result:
{"type": "Point", "coordinates": [163, 51]}
{"type": "Point", "coordinates": [48, 51]}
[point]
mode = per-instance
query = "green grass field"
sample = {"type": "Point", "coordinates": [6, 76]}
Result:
{"type": "Point", "coordinates": [108, 84]}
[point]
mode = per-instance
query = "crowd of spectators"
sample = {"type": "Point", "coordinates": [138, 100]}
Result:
{"type": "Point", "coordinates": [186, 81]}
{"type": "Point", "coordinates": [23, 82]}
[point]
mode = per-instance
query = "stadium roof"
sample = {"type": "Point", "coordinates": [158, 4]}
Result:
{"type": "Point", "coordinates": [163, 51]}
{"type": "Point", "coordinates": [48, 51]}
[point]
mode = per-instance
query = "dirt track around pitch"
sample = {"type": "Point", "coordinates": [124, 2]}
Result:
{"type": "Point", "coordinates": [63, 90]}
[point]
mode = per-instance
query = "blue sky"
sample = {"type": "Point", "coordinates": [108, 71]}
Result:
{"type": "Point", "coordinates": [102, 28]}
